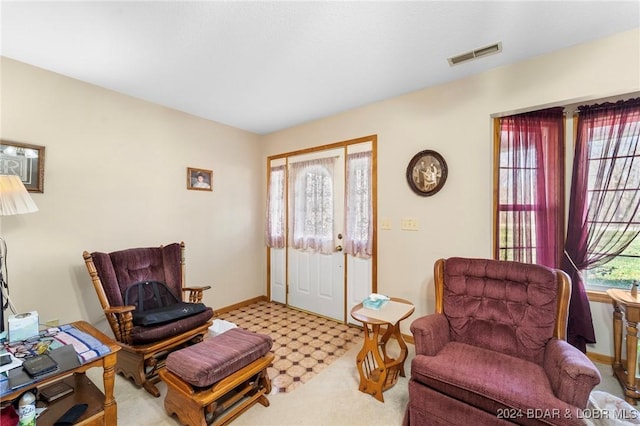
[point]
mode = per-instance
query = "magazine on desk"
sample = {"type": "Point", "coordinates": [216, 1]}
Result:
{"type": "Point", "coordinates": [66, 345]}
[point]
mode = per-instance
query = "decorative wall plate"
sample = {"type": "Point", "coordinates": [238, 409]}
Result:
{"type": "Point", "coordinates": [427, 173]}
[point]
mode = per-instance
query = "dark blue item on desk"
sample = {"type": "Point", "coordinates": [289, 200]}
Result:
{"type": "Point", "coordinates": [65, 356]}
{"type": "Point", "coordinates": [39, 365]}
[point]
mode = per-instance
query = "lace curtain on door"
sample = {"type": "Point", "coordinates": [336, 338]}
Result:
{"type": "Point", "coordinates": [359, 211]}
{"type": "Point", "coordinates": [311, 205]}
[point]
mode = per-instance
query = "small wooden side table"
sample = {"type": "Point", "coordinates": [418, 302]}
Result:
{"type": "Point", "coordinates": [102, 408]}
{"type": "Point", "coordinates": [378, 371]}
{"type": "Point", "coordinates": [627, 305]}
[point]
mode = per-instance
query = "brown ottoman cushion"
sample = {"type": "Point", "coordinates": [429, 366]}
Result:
{"type": "Point", "coordinates": [212, 360]}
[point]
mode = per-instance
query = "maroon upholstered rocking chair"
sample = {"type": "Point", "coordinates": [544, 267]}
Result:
{"type": "Point", "coordinates": [144, 348]}
{"type": "Point", "coordinates": [494, 352]}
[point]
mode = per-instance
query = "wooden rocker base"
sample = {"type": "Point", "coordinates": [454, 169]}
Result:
{"type": "Point", "coordinates": [141, 363]}
{"type": "Point", "coordinates": [221, 403]}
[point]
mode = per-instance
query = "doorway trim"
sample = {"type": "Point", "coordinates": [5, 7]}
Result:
{"type": "Point", "coordinates": [373, 139]}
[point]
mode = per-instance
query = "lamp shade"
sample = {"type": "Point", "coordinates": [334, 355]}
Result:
{"type": "Point", "coordinates": [14, 197]}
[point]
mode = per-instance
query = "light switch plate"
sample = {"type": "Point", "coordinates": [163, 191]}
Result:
{"type": "Point", "coordinates": [409, 224]}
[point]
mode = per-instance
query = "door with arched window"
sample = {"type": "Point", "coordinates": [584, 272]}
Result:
{"type": "Point", "coordinates": [315, 272]}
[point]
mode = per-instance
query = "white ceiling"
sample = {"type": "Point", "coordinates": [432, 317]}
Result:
{"type": "Point", "coordinates": [269, 65]}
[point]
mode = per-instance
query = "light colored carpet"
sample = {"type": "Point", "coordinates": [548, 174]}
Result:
{"type": "Point", "coordinates": [331, 398]}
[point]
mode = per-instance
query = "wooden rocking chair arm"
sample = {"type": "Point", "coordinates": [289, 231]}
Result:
{"type": "Point", "coordinates": [195, 293]}
{"type": "Point", "coordinates": [117, 310]}
{"type": "Point", "coordinates": [207, 287]}
{"type": "Point", "coordinates": [121, 321]}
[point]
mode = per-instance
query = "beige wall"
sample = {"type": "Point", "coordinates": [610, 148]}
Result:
{"type": "Point", "coordinates": [455, 120]}
{"type": "Point", "coordinates": [115, 177]}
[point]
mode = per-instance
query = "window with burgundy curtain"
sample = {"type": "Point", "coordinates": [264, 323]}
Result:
{"type": "Point", "coordinates": [530, 193]}
{"type": "Point", "coordinates": [604, 217]}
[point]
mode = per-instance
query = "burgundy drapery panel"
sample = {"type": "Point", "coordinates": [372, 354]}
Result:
{"type": "Point", "coordinates": [531, 195]}
{"type": "Point", "coordinates": [607, 138]}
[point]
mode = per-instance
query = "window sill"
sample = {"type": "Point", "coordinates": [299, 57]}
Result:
{"type": "Point", "coordinates": [598, 296]}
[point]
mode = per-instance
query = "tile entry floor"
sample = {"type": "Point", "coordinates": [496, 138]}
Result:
{"type": "Point", "coordinates": [303, 344]}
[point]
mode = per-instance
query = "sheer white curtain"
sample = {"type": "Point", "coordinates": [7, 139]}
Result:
{"type": "Point", "coordinates": [275, 208]}
{"type": "Point", "coordinates": [311, 205]}
{"type": "Point", "coordinates": [359, 206]}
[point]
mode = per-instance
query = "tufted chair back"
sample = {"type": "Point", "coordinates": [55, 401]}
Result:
{"type": "Point", "coordinates": [118, 270]}
{"type": "Point", "coordinates": [508, 307]}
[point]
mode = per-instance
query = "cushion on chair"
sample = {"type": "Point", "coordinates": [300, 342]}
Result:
{"type": "Point", "coordinates": [489, 380]}
{"type": "Point", "coordinates": [149, 334]}
{"type": "Point", "coordinates": [207, 362]}
{"type": "Point", "coordinates": [442, 410]}
{"type": "Point", "coordinates": [507, 307]}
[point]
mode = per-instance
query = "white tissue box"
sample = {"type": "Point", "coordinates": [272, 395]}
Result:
{"type": "Point", "coordinates": [23, 326]}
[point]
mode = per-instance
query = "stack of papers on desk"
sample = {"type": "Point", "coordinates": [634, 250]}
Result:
{"type": "Point", "coordinates": [15, 362]}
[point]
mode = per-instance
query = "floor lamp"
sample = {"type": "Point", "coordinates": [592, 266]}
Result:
{"type": "Point", "coordinates": [14, 199]}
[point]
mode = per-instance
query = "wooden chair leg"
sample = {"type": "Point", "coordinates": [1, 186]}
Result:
{"type": "Point", "coordinates": [150, 387]}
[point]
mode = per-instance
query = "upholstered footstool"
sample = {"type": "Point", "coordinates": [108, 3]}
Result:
{"type": "Point", "coordinates": [214, 381]}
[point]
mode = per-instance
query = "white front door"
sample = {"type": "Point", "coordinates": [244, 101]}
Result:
{"type": "Point", "coordinates": [315, 270]}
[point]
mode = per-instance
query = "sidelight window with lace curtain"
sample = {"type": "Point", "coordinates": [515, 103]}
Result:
{"type": "Point", "coordinates": [274, 237]}
{"type": "Point", "coordinates": [311, 205]}
{"type": "Point", "coordinates": [359, 206]}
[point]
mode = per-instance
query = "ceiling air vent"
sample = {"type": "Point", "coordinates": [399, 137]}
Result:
{"type": "Point", "coordinates": [475, 54]}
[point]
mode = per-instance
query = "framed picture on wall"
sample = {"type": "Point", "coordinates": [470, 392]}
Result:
{"type": "Point", "coordinates": [199, 179]}
{"type": "Point", "coordinates": [24, 160]}
{"type": "Point", "coordinates": [427, 173]}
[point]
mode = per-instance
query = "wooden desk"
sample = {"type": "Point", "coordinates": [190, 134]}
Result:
{"type": "Point", "coordinates": [378, 371]}
{"type": "Point", "coordinates": [627, 305]}
{"type": "Point", "coordinates": [102, 409]}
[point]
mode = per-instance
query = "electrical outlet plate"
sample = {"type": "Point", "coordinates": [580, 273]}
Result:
{"type": "Point", "coordinates": [385, 224]}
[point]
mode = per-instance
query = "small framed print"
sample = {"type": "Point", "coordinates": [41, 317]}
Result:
{"type": "Point", "coordinates": [427, 173]}
{"type": "Point", "coordinates": [199, 179]}
{"type": "Point", "coordinates": [24, 160]}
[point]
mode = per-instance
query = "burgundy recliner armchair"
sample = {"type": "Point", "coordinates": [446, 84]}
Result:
{"type": "Point", "coordinates": [495, 351]}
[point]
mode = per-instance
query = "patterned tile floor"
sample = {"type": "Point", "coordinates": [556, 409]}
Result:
{"type": "Point", "coordinates": [303, 344]}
